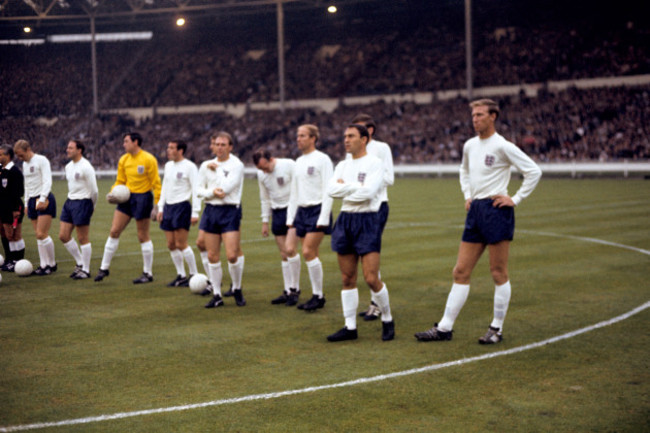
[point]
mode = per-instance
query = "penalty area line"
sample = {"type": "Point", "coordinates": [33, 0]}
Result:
{"type": "Point", "coordinates": [360, 381]}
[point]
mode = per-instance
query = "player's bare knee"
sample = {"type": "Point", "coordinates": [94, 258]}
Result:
{"type": "Point", "coordinates": [460, 274]}
{"type": "Point", "coordinates": [499, 276]}
{"type": "Point", "coordinates": [372, 280]}
{"type": "Point", "coordinates": [348, 281]}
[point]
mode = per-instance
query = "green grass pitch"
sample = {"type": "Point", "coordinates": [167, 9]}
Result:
{"type": "Point", "coordinates": [72, 350]}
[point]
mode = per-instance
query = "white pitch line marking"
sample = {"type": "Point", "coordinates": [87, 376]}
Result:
{"type": "Point", "coordinates": [363, 380]}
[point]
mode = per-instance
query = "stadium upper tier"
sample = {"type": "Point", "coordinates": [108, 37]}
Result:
{"type": "Point", "coordinates": [240, 64]}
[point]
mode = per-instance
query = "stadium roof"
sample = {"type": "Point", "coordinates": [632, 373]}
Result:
{"type": "Point", "coordinates": [57, 16]}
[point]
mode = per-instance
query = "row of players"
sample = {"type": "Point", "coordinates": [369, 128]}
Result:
{"type": "Point", "coordinates": [297, 197]}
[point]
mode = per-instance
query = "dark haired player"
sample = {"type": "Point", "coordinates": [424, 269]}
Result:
{"type": "Point", "coordinates": [12, 211]}
{"type": "Point", "coordinates": [175, 212]}
{"type": "Point", "coordinates": [78, 208]}
{"type": "Point", "coordinates": [138, 170]}
{"type": "Point", "coordinates": [357, 232]}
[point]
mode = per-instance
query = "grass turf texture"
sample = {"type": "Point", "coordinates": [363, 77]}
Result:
{"type": "Point", "coordinates": [75, 349]}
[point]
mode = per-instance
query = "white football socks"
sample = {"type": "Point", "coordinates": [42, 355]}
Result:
{"type": "Point", "coordinates": [215, 275]}
{"type": "Point", "coordinates": [501, 302]}
{"type": "Point", "coordinates": [236, 271]}
{"type": "Point", "coordinates": [188, 255]}
{"type": "Point", "coordinates": [455, 301]}
{"type": "Point", "coordinates": [315, 269]}
{"type": "Point", "coordinates": [73, 249]}
{"type": "Point", "coordinates": [147, 257]}
{"type": "Point", "coordinates": [109, 251]}
{"type": "Point", "coordinates": [382, 300]}
{"type": "Point", "coordinates": [350, 303]}
{"type": "Point", "coordinates": [177, 259]}
{"type": "Point", "coordinates": [294, 269]}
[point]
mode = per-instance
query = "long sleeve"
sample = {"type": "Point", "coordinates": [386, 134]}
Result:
{"type": "Point", "coordinates": [203, 190]}
{"type": "Point", "coordinates": [196, 200]}
{"type": "Point", "coordinates": [154, 178]}
{"type": "Point", "coordinates": [265, 199]}
{"type": "Point", "coordinates": [46, 177]}
{"type": "Point", "coordinates": [527, 167]}
{"type": "Point", "coordinates": [92, 183]}
{"type": "Point", "coordinates": [327, 171]}
{"type": "Point", "coordinates": [293, 201]}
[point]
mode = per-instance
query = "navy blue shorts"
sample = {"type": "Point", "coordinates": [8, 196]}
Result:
{"type": "Point", "coordinates": [486, 224]}
{"type": "Point", "coordinates": [77, 212]}
{"type": "Point", "coordinates": [306, 219]}
{"type": "Point", "coordinates": [279, 222]}
{"type": "Point", "coordinates": [218, 219]}
{"type": "Point", "coordinates": [357, 233]}
{"type": "Point", "coordinates": [383, 215]}
{"type": "Point", "coordinates": [176, 216]}
{"type": "Point", "coordinates": [139, 206]}
{"type": "Point", "coordinates": [33, 214]}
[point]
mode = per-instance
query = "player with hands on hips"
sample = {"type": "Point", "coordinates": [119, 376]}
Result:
{"type": "Point", "coordinates": [490, 221]}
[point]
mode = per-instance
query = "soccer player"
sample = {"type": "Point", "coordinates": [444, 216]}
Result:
{"type": "Point", "coordinates": [490, 222]}
{"type": "Point", "coordinates": [41, 204]}
{"type": "Point", "coordinates": [138, 170]}
{"type": "Point", "coordinates": [274, 179]}
{"type": "Point", "coordinates": [220, 185]}
{"type": "Point", "coordinates": [175, 213]}
{"type": "Point", "coordinates": [358, 181]}
{"type": "Point", "coordinates": [78, 208]}
{"type": "Point", "coordinates": [382, 151]}
{"type": "Point", "coordinates": [12, 187]}
{"type": "Point", "coordinates": [310, 211]}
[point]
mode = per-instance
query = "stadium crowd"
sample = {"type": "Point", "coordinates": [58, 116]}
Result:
{"type": "Point", "coordinates": [47, 93]}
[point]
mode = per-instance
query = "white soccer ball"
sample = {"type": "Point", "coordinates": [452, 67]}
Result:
{"type": "Point", "coordinates": [198, 283]}
{"type": "Point", "coordinates": [121, 193]}
{"type": "Point", "coordinates": [2, 260]}
{"type": "Point", "coordinates": [23, 268]}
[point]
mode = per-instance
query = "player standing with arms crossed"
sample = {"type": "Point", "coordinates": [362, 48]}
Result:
{"type": "Point", "coordinates": [41, 204]}
{"type": "Point", "coordinates": [382, 151]}
{"type": "Point", "coordinates": [274, 179]}
{"type": "Point", "coordinates": [175, 213]}
{"type": "Point", "coordinates": [138, 170]}
{"type": "Point", "coordinates": [490, 222]}
{"type": "Point", "coordinates": [358, 181]}
{"type": "Point", "coordinates": [78, 208]}
{"type": "Point", "coordinates": [310, 211]}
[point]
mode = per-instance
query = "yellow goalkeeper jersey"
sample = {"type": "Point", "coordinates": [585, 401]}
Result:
{"type": "Point", "coordinates": [139, 173]}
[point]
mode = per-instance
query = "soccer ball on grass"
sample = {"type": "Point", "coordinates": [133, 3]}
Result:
{"type": "Point", "coordinates": [198, 283]}
{"type": "Point", "coordinates": [23, 268]}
